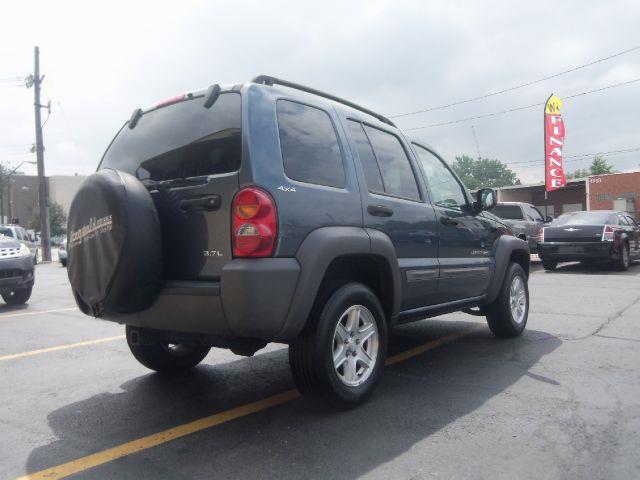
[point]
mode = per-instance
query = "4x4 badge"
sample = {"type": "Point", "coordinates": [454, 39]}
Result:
{"type": "Point", "coordinates": [287, 189]}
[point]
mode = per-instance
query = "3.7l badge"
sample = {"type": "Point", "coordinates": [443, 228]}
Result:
{"type": "Point", "coordinates": [212, 253]}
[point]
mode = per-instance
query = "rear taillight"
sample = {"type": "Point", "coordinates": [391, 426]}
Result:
{"type": "Point", "coordinates": [254, 223]}
{"type": "Point", "coordinates": [608, 233]}
{"type": "Point", "coordinates": [541, 234]}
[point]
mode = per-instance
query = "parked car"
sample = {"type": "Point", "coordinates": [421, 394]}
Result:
{"type": "Point", "coordinates": [62, 253]}
{"type": "Point", "coordinates": [272, 212]}
{"type": "Point", "coordinates": [523, 218]}
{"type": "Point", "coordinates": [590, 236]}
{"type": "Point", "coordinates": [20, 234]}
{"type": "Point", "coordinates": [16, 270]}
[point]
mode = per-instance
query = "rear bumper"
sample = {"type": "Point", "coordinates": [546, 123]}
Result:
{"type": "Point", "coordinates": [250, 300]}
{"type": "Point", "coordinates": [567, 252]}
{"type": "Point", "coordinates": [16, 273]}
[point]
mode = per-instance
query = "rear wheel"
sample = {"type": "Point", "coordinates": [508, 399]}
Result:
{"type": "Point", "coordinates": [17, 296]}
{"type": "Point", "coordinates": [507, 315]}
{"type": "Point", "coordinates": [162, 356]}
{"type": "Point", "coordinates": [339, 356]}
{"type": "Point", "coordinates": [622, 261]}
{"type": "Point", "coordinates": [549, 264]}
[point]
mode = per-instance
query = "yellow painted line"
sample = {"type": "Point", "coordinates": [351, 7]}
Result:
{"type": "Point", "coordinates": [60, 347]}
{"type": "Point", "coordinates": [412, 352]}
{"type": "Point", "coordinates": [36, 312]}
{"type": "Point", "coordinates": [155, 439]}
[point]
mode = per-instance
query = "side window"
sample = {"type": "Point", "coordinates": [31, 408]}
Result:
{"type": "Point", "coordinates": [631, 221]}
{"type": "Point", "coordinates": [397, 174]}
{"type": "Point", "coordinates": [310, 150]}
{"type": "Point", "coordinates": [19, 234]}
{"type": "Point", "coordinates": [533, 213]}
{"type": "Point", "coordinates": [372, 172]}
{"type": "Point", "coordinates": [445, 189]}
{"type": "Point", "coordinates": [622, 220]}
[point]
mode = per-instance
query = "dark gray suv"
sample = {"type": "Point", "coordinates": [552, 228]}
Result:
{"type": "Point", "coordinates": [272, 212]}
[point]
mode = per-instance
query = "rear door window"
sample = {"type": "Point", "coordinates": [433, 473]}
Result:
{"type": "Point", "coordinates": [372, 173]}
{"type": "Point", "coordinates": [310, 149]}
{"type": "Point", "coordinates": [180, 140]}
{"type": "Point", "coordinates": [393, 161]}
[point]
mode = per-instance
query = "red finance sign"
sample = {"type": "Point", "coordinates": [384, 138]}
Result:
{"type": "Point", "coordinates": [553, 143]}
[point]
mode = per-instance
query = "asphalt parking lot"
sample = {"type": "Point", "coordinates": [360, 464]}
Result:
{"type": "Point", "coordinates": [562, 401]}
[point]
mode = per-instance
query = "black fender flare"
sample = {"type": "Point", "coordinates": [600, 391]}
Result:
{"type": "Point", "coordinates": [503, 248]}
{"type": "Point", "coordinates": [315, 254]}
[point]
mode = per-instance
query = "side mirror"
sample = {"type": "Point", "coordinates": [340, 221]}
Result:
{"type": "Point", "coordinates": [549, 219]}
{"type": "Point", "coordinates": [487, 199]}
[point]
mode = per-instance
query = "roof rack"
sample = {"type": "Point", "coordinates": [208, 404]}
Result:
{"type": "Point", "coordinates": [268, 80]}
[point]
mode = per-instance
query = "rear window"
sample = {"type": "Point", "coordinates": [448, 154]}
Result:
{"type": "Point", "coordinates": [586, 218]}
{"type": "Point", "coordinates": [310, 150]}
{"type": "Point", "coordinates": [180, 140]}
{"type": "Point", "coordinates": [508, 212]}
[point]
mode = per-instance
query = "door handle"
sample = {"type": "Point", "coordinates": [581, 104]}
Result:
{"type": "Point", "coordinates": [204, 202]}
{"type": "Point", "coordinates": [379, 211]}
{"type": "Point", "coordinates": [448, 221]}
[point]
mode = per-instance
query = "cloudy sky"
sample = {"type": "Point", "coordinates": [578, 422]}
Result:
{"type": "Point", "coordinates": [102, 60]}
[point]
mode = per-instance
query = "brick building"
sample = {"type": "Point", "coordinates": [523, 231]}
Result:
{"type": "Point", "coordinates": [615, 191]}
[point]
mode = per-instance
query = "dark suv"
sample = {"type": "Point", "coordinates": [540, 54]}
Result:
{"type": "Point", "coordinates": [272, 212]}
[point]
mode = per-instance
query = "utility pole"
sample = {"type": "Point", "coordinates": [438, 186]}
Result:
{"type": "Point", "coordinates": [43, 197]}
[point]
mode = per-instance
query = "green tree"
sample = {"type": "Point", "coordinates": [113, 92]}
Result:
{"type": "Point", "coordinates": [483, 172]}
{"type": "Point", "coordinates": [599, 166]}
{"type": "Point", "coordinates": [57, 220]}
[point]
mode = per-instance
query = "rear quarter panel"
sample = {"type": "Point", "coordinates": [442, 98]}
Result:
{"type": "Point", "coordinates": [302, 207]}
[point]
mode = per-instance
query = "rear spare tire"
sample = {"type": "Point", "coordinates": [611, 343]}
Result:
{"type": "Point", "coordinates": [114, 249]}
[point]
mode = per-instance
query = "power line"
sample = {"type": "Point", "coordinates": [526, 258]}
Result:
{"type": "Point", "coordinates": [577, 158]}
{"type": "Point", "coordinates": [510, 89]}
{"type": "Point", "coordinates": [515, 109]}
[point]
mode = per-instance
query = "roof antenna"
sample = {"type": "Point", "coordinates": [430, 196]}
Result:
{"type": "Point", "coordinates": [213, 92]}
{"type": "Point", "coordinates": [475, 139]}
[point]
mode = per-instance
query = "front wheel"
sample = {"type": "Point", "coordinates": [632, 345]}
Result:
{"type": "Point", "coordinates": [17, 296]}
{"type": "Point", "coordinates": [340, 354]}
{"type": "Point", "coordinates": [162, 356]}
{"type": "Point", "coordinates": [507, 315]}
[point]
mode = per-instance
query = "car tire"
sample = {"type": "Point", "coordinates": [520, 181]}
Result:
{"type": "Point", "coordinates": [162, 356]}
{"type": "Point", "coordinates": [507, 316]}
{"type": "Point", "coordinates": [549, 265]}
{"type": "Point", "coordinates": [623, 261]}
{"type": "Point", "coordinates": [63, 263]}
{"type": "Point", "coordinates": [346, 324]}
{"type": "Point", "coordinates": [35, 258]}
{"type": "Point", "coordinates": [18, 296]}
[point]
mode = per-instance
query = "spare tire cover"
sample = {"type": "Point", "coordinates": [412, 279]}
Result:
{"type": "Point", "coordinates": [114, 245]}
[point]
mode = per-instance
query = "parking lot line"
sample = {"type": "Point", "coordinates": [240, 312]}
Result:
{"type": "Point", "coordinates": [155, 439]}
{"type": "Point", "coordinates": [36, 312]}
{"type": "Point", "coordinates": [59, 347]}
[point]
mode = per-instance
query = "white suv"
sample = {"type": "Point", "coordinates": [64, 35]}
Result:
{"type": "Point", "coordinates": [20, 234]}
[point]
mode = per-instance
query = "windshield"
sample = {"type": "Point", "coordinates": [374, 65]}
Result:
{"type": "Point", "coordinates": [181, 140]}
{"type": "Point", "coordinates": [585, 218]}
{"type": "Point", "coordinates": [509, 212]}
{"type": "Point", "coordinates": [6, 232]}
